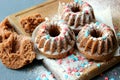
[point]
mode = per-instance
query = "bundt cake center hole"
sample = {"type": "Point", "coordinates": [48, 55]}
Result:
{"type": "Point", "coordinates": [54, 31]}
{"type": "Point", "coordinates": [96, 34]}
{"type": "Point", "coordinates": [75, 9]}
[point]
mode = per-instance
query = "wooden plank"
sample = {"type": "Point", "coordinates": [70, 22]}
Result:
{"type": "Point", "coordinates": [60, 68]}
{"type": "Point", "coordinates": [47, 9]}
{"type": "Point", "coordinates": [15, 18]}
{"type": "Point", "coordinates": [80, 68]}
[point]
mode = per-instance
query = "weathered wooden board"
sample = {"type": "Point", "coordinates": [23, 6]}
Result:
{"type": "Point", "coordinates": [42, 9]}
{"type": "Point", "coordinates": [47, 9]}
{"type": "Point", "coordinates": [86, 69]}
{"type": "Point", "coordinates": [77, 67]}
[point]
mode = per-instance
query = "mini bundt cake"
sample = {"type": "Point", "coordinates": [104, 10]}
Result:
{"type": "Point", "coordinates": [97, 41]}
{"type": "Point", "coordinates": [77, 14]}
{"type": "Point", "coordinates": [54, 39]}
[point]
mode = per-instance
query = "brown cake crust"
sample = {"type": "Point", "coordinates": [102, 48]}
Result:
{"type": "Point", "coordinates": [54, 39]}
{"type": "Point", "coordinates": [58, 56]}
{"type": "Point", "coordinates": [29, 23]}
{"type": "Point", "coordinates": [77, 14]}
{"type": "Point", "coordinates": [17, 51]}
{"type": "Point", "coordinates": [97, 41]}
{"type": "Point", "coordinates": [98, 57]}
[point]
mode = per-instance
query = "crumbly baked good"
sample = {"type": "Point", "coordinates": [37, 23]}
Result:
{"type": "Point", "coordinates": [16, 51]}
{"type": "Point", "coordinates": [5, 30]}
{"type": "Point", "coordinates": [29, 23]}
{"type": "Point", "coordinates": [97, 41]}
{"type": "Point", "coordinates": [5, 25]}
{"type": "Point", "coordinates": [77, 14]}
{"type": "Point", "coordinates": [54, 39]}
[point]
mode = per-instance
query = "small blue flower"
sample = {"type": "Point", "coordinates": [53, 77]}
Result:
{"type": "Point", "coordinates": [61, 21]}
{"type": "Point", "coordinates": [66, 76]}
{"type": "Point", "coordinates": [72, 56]}
{"type": "Point", "coordinates": [86, 62]}
{"type": "Point", "coordinates": [118, 34]}
{"type": "Point", "coordinates": [45, 78]}
{"type": "Point", "coordinates": [77, 74]}
{"type": "Point", "coordinates": [75, 58]}
{"type": "Point", "coordinates": [38, 78]}
{"type": "Point", "coordinates": [76, 37]}
{"type": "Point", "coordinates": [76, 1]}
{"type": "Point", "coordinates": [82, 65]}
{"type": "Point", "coordinates": [47, 37]}
{"type": "Point", "coordinates": [112, 79]}
{"type": "Point", "coordinates": [80, 2]}
{"type": "Point", "coordinates": [98, 65]}
{"type": "Point", "coordinates": [104, 37]}
{"type": "Point", "coordinates": [97, 23]}
{"type": "Point", "coordinates": [78, 68]}
{"type": "Point", "coordinates": [49, 73]}
{"type": "Point", "coordinates": [87, 33]}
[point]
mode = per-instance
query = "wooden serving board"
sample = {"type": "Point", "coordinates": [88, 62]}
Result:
{"type": "Point", "coordinates": [73, 67]}
{"type": "Point", "coordinates": [50, 8]}
{"type": "Point", "coordinates": [47, 9]}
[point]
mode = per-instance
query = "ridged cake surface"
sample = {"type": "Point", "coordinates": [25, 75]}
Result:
{"type": "Point", "coordinates": [54, 39]}
{"type": "Point", "coordinates": [97, 41]}
{"type": "Point", "coordinates": [77, 14]}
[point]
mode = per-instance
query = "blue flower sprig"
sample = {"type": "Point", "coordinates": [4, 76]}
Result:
{"type": "Point", "coordinates": [78, 1]}
{"type": "Point", "coordinates": [87, 33]}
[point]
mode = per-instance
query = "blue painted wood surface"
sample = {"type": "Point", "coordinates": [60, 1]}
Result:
{"type": "Point", "coordinates": [33, 70]}
{"type": "Point", "coordinates": [8, 7]}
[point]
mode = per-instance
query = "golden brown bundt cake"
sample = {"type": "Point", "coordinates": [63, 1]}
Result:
{"type": "Point", "coordinates": [97, 41]}
{"type": "Point", "coordinates": [54, 39]}
{"type": "Point", "coordinates": [77, 14]}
